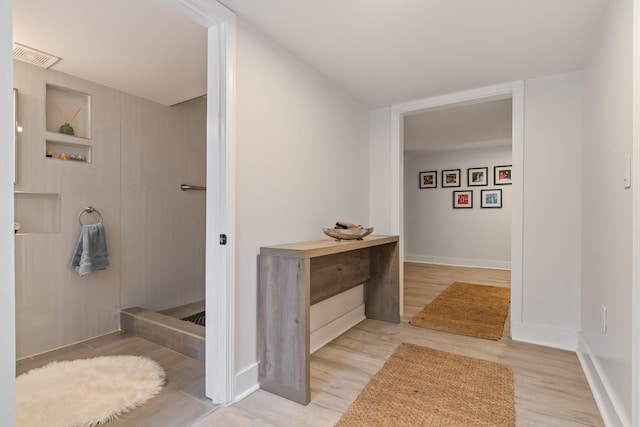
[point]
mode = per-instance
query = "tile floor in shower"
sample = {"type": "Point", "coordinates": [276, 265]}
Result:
{"type": "Point", "coordinates": [181, 401]}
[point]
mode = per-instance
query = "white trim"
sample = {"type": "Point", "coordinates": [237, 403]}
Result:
{"type": "Point", "coordinates": [208, 13]}
{"type": "Point", "coordinates": [459, 262]}
{"type": "Point", "coordinates": [397, 188]}
{"type": "Point", "coordinates": [515, 90]}
{"type": "Point", "coordinates": [635, 201]}
{"type": "Point", "coordinates": [517, 204]}
{"type": "Point", "coordinates": [246, 382]}
{"type": "Point", "coordinates": [481, 145]}
{"type": "Point", "coordinates": [230, 132]}
{"type": "Point", "coordinates": [607, 406]}
{"type": "Point", "coordinates": [547, 336]}
{"type": "Point", "coordinates": [220, 381]}
{"type": "Point", "coordinates": [7, 256]}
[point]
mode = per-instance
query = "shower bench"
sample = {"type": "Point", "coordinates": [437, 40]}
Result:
{"type": "Point", "coordinates": [295, 276]}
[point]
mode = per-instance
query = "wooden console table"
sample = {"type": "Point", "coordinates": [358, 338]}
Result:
{"type": "Point", "coordinates": [295, 276]}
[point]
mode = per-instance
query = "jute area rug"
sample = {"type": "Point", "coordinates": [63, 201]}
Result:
{"type": "Point", "coordinates": [85, 392]}
{"type": "Point", "coordinates": [419, 386]}
{"type": "Point", "coordinates": [467, 309]}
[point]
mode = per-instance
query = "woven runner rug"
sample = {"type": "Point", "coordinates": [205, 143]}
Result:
{"type": "Point", "coordinates": [467, 309]}
{"type": "Point", "coordinates": [419, 386]}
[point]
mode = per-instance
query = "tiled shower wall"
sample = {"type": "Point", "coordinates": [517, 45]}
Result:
{"type": "Point", "coordinates": [140, 154]}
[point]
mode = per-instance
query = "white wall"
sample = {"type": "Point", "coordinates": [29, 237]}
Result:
{"type": "Point", "coordinates": [607, 208]}
{"type": "Point", "coordinates": [302, 164]}
{"type": "Point", "coordinates": [7, 298]}
{"type": "Point", "coordinates": [437, 233]}
{"type": "Point", "coordinates": [141, 153]}
{"type": "Point", "coordinates": [552, 218]}
{"type": "Point", "coordinates": [380, 170]}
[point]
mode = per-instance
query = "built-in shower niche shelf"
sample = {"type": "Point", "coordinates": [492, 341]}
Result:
{"type": "Point", "coordinates": [37, 212]}
{"type": "Point", "coordinates": [67, 149]}
{"type": "Point", "coordinates": [67, 105]}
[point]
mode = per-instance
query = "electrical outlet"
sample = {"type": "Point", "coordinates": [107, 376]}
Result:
{"type": "Point", "coordinates": [604, 318]}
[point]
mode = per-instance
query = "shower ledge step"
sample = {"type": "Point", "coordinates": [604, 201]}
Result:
{"type": "Point", "coordinates": [184, 337]}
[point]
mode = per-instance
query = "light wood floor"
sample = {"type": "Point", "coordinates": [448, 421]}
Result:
{"type": "Point", "coordinates": [550, 388]}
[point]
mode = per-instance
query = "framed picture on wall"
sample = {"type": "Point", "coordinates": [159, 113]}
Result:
{"type": "Point", "coordinates": [462, 199]}
{"type": "Point", "coordinates": [477, 176]}
{"type": "Point", "coordinates": [451, 178]}
{"type": "Point", "coordinates": [429, 179]}
{"type": "Point", "coordinates": [491, 198]}
{"type": "Point", "coordinates": [502, 175]}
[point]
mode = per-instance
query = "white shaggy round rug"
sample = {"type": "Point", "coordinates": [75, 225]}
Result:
{"type": "Point", "coordinates": [85, 392]}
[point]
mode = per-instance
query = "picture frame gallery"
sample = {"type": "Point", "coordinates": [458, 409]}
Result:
{"type": "Point", "coordinates": [476, 177]}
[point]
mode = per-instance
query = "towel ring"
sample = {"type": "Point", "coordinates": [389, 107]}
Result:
{"type": "Point", "coordinates": [89, 209]}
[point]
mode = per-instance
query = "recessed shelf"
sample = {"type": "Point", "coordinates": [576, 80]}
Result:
{"type": "Point", "coordinates": [64, 105]}
{"type": "Point", "coordinates": [37, 212]}
{"type": "Point", "coordinates": [68, 151]}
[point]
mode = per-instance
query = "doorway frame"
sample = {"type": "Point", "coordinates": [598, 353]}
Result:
{"type": "Point", "coordinates": [635, 197]}
{"type": "Point", "coordinates": [7, 265]}
{"type": "Point", "coordinates": [513, 90]}
{"type": "Point", "coordinates": [220, 204]}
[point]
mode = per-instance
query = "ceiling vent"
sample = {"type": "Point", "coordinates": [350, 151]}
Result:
{"type": "Point", "coordinates": [33, 56]}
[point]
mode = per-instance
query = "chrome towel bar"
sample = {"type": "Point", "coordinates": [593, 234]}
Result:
{"type": "Point", "coordinates": [185, 187]}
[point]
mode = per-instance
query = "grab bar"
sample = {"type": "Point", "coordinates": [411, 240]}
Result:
{"type": "Point", "coordinates": [185, 187]}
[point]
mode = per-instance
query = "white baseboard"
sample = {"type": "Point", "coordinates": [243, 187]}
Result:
{"type": "Point", "coordinates": [459, 262]}
{"type": "Point", "coordinates": [548, 336]}
{"type": "Point", "coordinates": [246, 382]}
{"type": "Point", "coordinates": [333, 329]}
{"type": "Point", "coordinates": [607, 405]}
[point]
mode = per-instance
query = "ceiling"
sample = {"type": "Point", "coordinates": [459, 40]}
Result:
{"type": "Point", "coordinates": [143, 47]}
{"type": "Point", "coordinates": [382, 52]}
{"type": "Point", "coordinates": [385, 52]}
